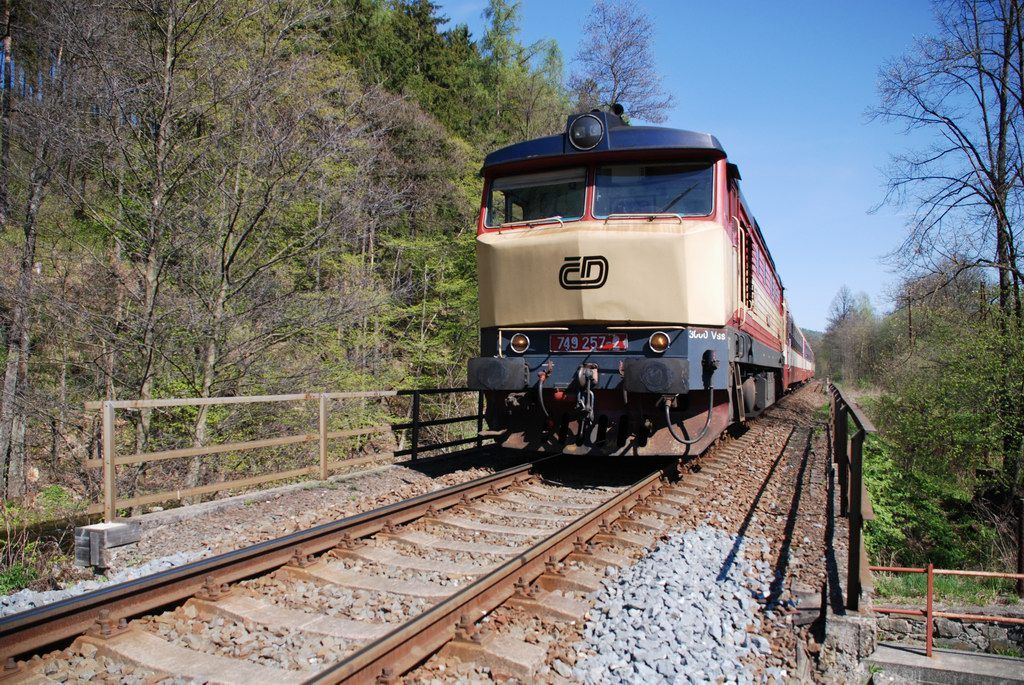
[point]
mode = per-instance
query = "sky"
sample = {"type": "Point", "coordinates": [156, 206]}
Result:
{"type": "Point", "coordinates": [785, 86]}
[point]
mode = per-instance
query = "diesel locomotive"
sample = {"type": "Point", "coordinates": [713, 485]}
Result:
{"type": "Point", "coordinates": [628, 301]}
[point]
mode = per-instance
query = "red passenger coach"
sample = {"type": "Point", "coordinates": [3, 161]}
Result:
{"type": "Point", "coordinates": [628, 300]}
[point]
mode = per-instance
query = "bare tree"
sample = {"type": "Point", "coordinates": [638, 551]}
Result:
{"type": "Point", "coordinates": [615, 63]}
{"type": "Point", "coordinates": [158, 85]}
{"type": "Point", "coordinates": [962, 90]}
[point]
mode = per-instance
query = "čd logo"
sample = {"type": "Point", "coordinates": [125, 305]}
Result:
{"type": "Point", "coordinates": [579, 273]}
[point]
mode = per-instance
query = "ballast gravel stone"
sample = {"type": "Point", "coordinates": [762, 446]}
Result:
{"type": "Point", "coordinates": [687, 612]}
{"type": "Point", "coordinates": [23, 600]}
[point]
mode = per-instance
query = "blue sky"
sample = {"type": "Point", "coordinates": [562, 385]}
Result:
{"type": "Point", "coordinates": [784, 86]}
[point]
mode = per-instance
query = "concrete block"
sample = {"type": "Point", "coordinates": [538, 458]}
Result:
{"type": "Point", "coordinates": [848, 640]}
{"type": "Point", "coordinates": [995, 632]}
{"type": "Point", "coordinates": [947, 628]}
{"type": "Point", "coordinates": [895, 625]}
{"type": "Point", "coordinates": [92, 542]}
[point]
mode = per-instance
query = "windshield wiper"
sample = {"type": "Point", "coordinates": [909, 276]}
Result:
{"type": "Point", "coordinates": [650, 216]}
{"type": "Point", "coordinates": [678, 197]}
{"type": "Point", "coordinates": [534, 222]}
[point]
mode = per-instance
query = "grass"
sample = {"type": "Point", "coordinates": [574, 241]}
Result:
{"type": "Point", "coordinates": [909, 587]}
{"type": "Point", "coordinates": [822, 413]}
{"type": "Point", "coordinates": [16, 577]}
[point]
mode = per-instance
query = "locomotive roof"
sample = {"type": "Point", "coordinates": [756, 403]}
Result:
{"type": "Point", "coordinates": [618, 138]}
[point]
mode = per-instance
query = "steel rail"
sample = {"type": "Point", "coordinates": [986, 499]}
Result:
{"type": "Point", "coordinates": [402, 649]}
{"type": "Point", "coordinates": [51, 624]}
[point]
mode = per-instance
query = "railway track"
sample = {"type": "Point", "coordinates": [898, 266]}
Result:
{"type": "Point", "coordinates": [371, 597]}
{"type": "Point", "coordinates": [350, 601]}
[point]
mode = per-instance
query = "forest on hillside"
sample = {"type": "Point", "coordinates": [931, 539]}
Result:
{"type": "Point", "coordinates": [204, 198]}
{"type": "Point", "coordinates": [217, 197]}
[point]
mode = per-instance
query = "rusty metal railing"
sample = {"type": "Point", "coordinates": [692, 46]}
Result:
{"type": "Point", "coordinates": [854, 503]}
{"type": "Point", "coordinates": [929, 614]}
{"type": "Point", "coordinates": [109, 460]}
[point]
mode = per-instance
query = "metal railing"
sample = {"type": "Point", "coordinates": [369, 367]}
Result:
{"type": "Point", "coordinates": [929, 614]}
{"type": "Point", "coordinates": [109, 460]}
{"type": "Point", "coordinates": [854, 503]}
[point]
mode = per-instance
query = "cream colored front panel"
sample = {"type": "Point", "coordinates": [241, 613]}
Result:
{"type": "Point", "coordinates": [661, 272]}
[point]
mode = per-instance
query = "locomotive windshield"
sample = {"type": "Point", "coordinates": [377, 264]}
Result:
{"type": "Point", "coordinates": [528, 197]}
{"type": "Point", "coordinates": [683, 189]}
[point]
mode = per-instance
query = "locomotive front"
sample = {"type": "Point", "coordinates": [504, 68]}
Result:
{"type": "Point", "coordinates": [606, 285]}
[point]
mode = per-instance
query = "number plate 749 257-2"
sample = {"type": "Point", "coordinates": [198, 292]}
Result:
{"type": "Point", "coordinates": [589, 342]}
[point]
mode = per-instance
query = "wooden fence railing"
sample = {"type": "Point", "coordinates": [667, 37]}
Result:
{"type": "Point", "coordinates": [854, 503]}
{"type": "Point", "coordinates": [109, 460]}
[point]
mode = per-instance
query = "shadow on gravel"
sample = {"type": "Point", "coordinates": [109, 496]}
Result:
{"type": "Point", "coordinates": [782, 562]}
{"type": "Point", "coordinates": [835, 598]}
{"type": "Point", "coordinates": [496, 458]}
{"type": "Point", "coordinates": [575, 471]}
{"type": "Point", "coordinates": [583, 471]}
{"type": "Point", "coordinates": [730, 558]}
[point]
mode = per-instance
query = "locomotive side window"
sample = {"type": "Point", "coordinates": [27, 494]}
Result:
{"type": "Point", "coordinates": [530, 197]}
{"type": "Point", "coordinates": [684, 189]}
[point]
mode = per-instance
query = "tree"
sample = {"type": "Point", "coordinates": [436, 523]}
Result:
{"type": "Point", "coordinates": [961, 91]}
{"type": "Point", "coordinates": [615, 63]}
{"type": "Point", "coordinates": [6, 87]}
{"type": "Point", "coordinates": [526, 91]}
{"type": "Point", "coordinates": [848, 344]}
{"type": "Point", "coordinates": [40, 141]}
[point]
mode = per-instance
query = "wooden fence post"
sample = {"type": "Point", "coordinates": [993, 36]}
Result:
{"type": "Point", "coordinates": [415, 439]}
{"type": "Point", "coordinates": [323, 437]}
{"type": "Point", "coordinates": [109, 475]}
{"type": "Point", "coordinates": [856, 522]}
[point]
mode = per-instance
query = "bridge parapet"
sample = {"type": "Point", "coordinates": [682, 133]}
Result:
{"type": "Point", "coordinates": [854, 501]}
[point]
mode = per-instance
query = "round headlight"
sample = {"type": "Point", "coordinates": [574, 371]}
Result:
{"type": "Point", "coordinates": [520, 343]}
{"type": "Point", "coordinates": [586, 132]}
{"type": "Point", "coordinates": [659, 342]}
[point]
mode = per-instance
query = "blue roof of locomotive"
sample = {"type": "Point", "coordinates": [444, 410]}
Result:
{"type": "Point", "coordinates": [618, 138]}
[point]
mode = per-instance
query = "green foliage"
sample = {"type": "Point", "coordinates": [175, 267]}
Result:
{"type": "Point", "coordinates": [946, 388]}
{"type": "Point", "coordinates": [54, 499]}
{"type": "Point", "coordinates": [488, 93]}
{"type": "Point", "coordinates": [16, 577]}
{"type": "Point", "coordinates": [916, 514]}
{"type": "Point", "coordinates": [311, 227]}
{"type": "Point", "coordinates": [909, 587]}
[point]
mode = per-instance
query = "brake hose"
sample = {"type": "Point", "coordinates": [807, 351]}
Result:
{"type": "Point", "coordinates": [540, 393]}
{"type": "Point", "coordinates": [703, 431]}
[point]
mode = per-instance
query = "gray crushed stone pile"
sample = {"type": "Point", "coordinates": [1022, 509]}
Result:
{"type": "Point", "coordinates": [687, 612]}
{"type": "Point", "coordinates": [24, 600]}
